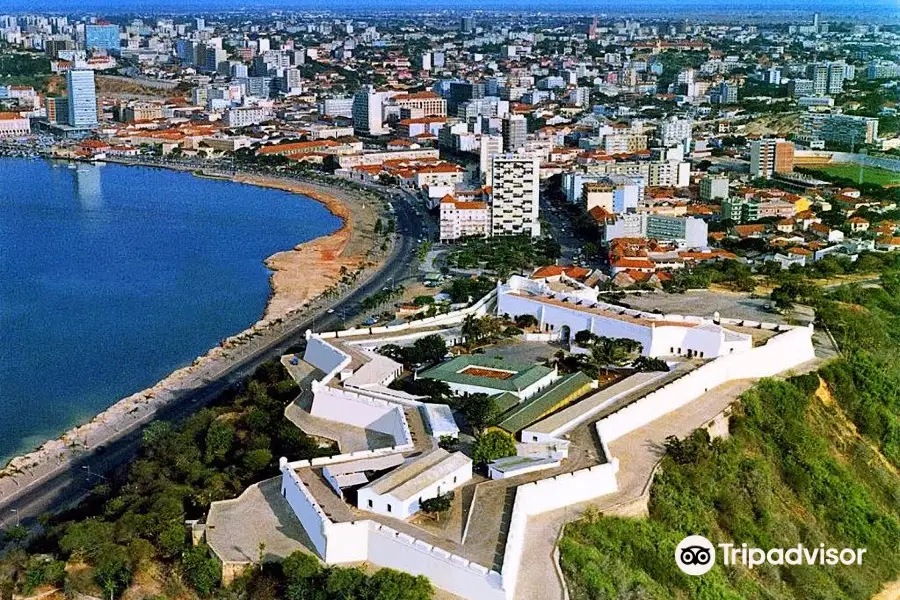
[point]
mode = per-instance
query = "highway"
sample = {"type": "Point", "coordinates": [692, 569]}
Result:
{"type": "Point", "coordinates": [74, 480]}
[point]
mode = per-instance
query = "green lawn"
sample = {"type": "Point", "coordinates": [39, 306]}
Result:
{"type": "Point", "coordinates": [874, 175]}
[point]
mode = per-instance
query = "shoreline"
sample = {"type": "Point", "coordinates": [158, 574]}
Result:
{"type": "Point", "coordinates": [299, 277]}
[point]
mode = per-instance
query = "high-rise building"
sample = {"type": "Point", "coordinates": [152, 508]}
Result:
{"type": "Point", "coordinates": [461, 91]}
{"type": "Point", "coordinates": [467, 24]}
{"type": "Point", "coordinates": [515, 199]}
{"type": "Point", "coordinates": [770, 156]}
{"type": "Point", "coordinates": [818, 73]}
{"type": "Point", "coordinates": [82, 101]}
{"type": "Point", "coordinates": [836, 78]}
{"type": "Point", "coordinates": [490, 146]}
{"type": "Point", "coordinates": [368, 111]}
{"type": "Point", "coordinates": [101, 37]}
{"type": "Point", "coordinates": [674, 131]}
{"type": "Point", "coordinates": [515, 132]}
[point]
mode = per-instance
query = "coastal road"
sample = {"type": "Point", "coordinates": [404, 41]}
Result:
{"type": "Point", "coordinates": [74, 480]}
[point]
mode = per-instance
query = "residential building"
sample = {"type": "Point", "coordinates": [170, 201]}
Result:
{"type": "Point", "coordinates": [515, 188]}
{"type": "Point", "coordinates": [770, 156]}
{"type": "Point", "coordinates": [244, 116]}
{"type": "Point", "coordinates": [847, 129]}
{"type": "Point", "coordinates": [687, 232]}
{"type": "Point", "coordinates": [674, 131]}
{"type": "Point", "coordinates": [714, 187]}
{"type": "Point", "coordinates": [460, 219]}
{"type": "Point", "coordinates": [489, 146]}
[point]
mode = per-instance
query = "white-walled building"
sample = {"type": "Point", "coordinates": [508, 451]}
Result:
{"type": "Point", "coordinates": [398, 494]}
{"type": "Point", "coordinates": [515, 185]}
{"type": "Point", "coordinates": [368, 111]}
{"type": "Point", "coordinates": [464, 219]}
{"type": "Point", "coordinates": [659, 335]}
{"type": "Point", "coordinates": [14, 125]}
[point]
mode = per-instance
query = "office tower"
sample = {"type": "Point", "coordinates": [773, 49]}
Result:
{"type": "Point", "coordinates": [101, 37]}
{"type": "Point", "coordinates": [515, 189]}
{"type": "Point", "coordinates": [467, 24]}
{"type": "Point", "coordinates": [337, 107]}
{"type": "Point", "coordinates": [515, 132]}
{"type": "Point", "coordinates": [769, 156]}
{"type": "Point", "coordinates": [425, 61]}
{"type": "Point", "coordinates": [57, 110]}
{"type": "Point", "coordinates": [368, 111]}
{"type": "Point", "coordinates": [82, 101]}
{"type": "Point", "coordinates": [200, 23]}
{"type": "Point", "coordinates": [462, 92]}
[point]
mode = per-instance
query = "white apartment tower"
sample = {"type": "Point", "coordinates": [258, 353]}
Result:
{"type": "Point", "coordinates": [491, 145]}
{"type": "Point", "coordinates": [515, 188]}
{"type": "Point", "coordinates": [82, 98]}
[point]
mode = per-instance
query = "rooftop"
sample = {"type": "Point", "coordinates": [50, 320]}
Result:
{"type": "Point", "coordinates": [475, 369]}
{"type": "Point", "coordinates": [413, 477]}
{"type": "Point", "coordinates": [560, 393]}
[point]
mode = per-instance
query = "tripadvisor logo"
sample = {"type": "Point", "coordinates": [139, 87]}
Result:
{"type": "Point", "coordinates": [696, 555]}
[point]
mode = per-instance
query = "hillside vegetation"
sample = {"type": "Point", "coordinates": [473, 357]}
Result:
{"type": "Point", "coordinates": [812, 459]}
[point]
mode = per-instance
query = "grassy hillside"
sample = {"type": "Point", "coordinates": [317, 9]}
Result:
{"type": "Point", "coordinates": [811, 460]}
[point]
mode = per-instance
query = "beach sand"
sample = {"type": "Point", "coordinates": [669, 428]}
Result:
{"type": "Point", "coordinates": [310, 268]}
{"type": "Point", "coordinates": [299, 276]}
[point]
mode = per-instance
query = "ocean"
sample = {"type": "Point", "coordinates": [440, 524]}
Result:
{"type": "Point", "coordinates": [111, 277]}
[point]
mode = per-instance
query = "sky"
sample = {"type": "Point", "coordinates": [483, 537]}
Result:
{"type": "Point", "coordinates": [888, 8]}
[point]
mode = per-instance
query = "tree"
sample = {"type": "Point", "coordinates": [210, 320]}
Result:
{"type": "Point", "coordinates": [646, 363]}
{"type": "Point", "coordinates": [585, 337]}
{"type": "Point", "coordinates": [388, 584]}
{"type": "Point", "coordinates": [438, 391]}
{"type": "Point", "coordinates": [448, 443]}
{"type": "Point", "coordinates": [112, 570]}
{"type": "Point", "coordinates": [431, 348]}
{"type": "Point", "coordinates": [607, 351]}
{"type": "Point", "coordinates": [200, 570]}
{"type": "Point", "coordinates": [219, 438]}
{"type": "Point", "coordinates": [491, 446]}
{"type": "Point", "coordinates": [437, 505]}
{"type": "Point", "coordinates": [525, 321]}
{"type": "Point", "coordinates": [479, 410]}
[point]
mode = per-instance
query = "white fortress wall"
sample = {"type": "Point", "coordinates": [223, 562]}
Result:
{"type": "Point", "coordinates": [301, 501]}
{"type": "Point", "coordinates": [389, 548]}
{"type": "Point", "coordinates": [546, 495]}
{"type": "Point", "coordinates": [359, 410]}
{"type": "Point", "coordinates": [324, 357]}
{"type": "Point", "coordinates": [779, 353]}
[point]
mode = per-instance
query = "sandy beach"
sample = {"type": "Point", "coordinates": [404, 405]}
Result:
{"type": "Point", "coordinates": [300, 276]}
{"type": "Point", "coordinates": [310, 268]}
